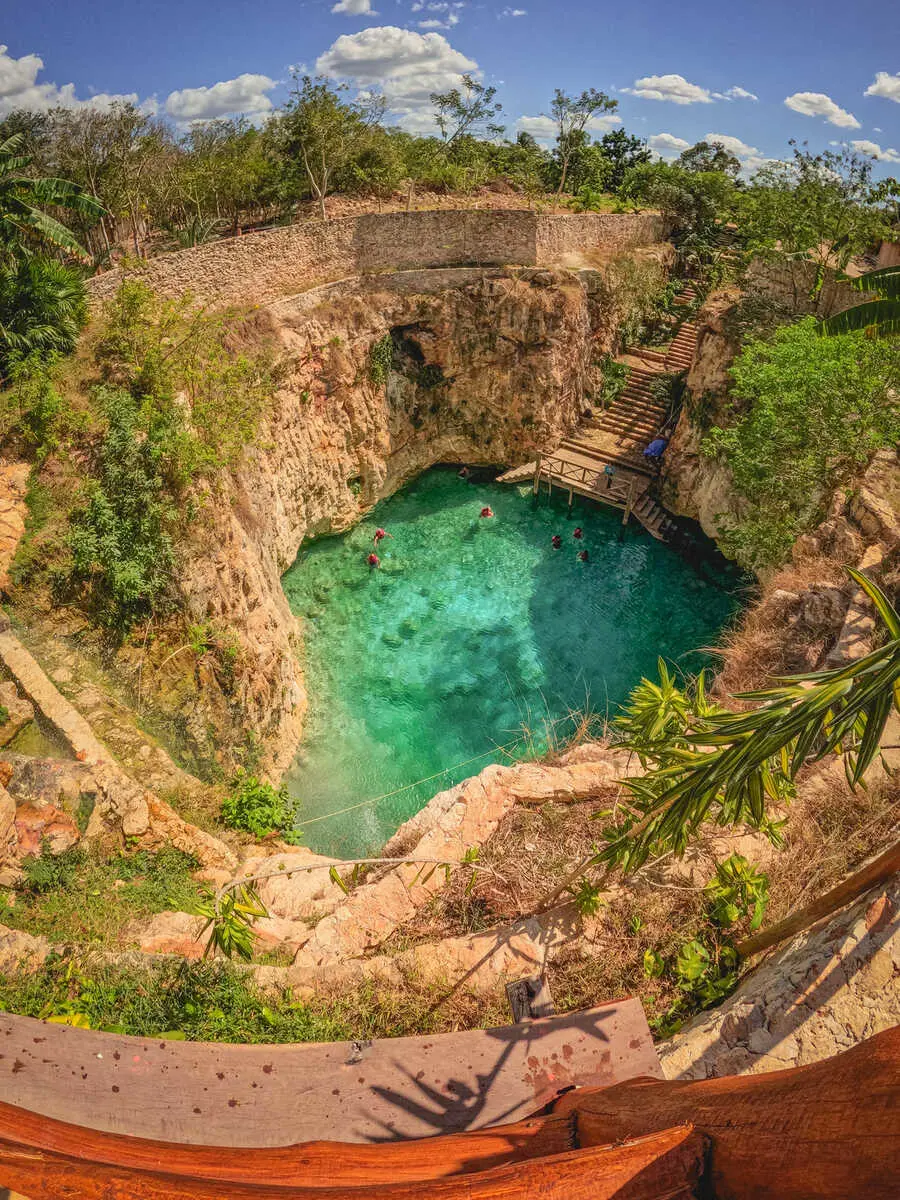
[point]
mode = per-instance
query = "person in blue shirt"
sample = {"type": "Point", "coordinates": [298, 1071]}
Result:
{"type": "Point", "coordinates": [656, 449]}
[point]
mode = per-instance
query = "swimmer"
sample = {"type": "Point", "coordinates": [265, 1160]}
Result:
{"type": "Point", "coordinates": [373, 560]}
{"type": "Point", "coordinates": [487, 511]}
{"type": "Point", "coordinates": [578, 533]}
{"type": "Point", "coordinates": [583, 556]}
{"type": "Point", "coordinates": [556, 541]}
{"type": "Point", "coordinates": [379, 534]}
{"type": "Point", "coordinates": [463, 473]}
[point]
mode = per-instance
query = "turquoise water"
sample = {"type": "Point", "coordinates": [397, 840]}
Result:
{"type": "Point", "coordinates": [469, 631]}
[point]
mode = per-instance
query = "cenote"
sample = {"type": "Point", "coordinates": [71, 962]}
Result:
{"type": "Point", "coordinates": [472, 642]}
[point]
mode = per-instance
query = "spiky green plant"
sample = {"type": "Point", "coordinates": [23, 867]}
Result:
{"type": "Point", "coordinates": [722, 766]}
{"type": "Point", "coordinates": [881, 315]}
{"type": "Point", "coordinates": [42, 309]}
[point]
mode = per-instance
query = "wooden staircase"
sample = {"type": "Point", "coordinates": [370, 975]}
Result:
{"type": "Point", "coordinates": [616, 437]}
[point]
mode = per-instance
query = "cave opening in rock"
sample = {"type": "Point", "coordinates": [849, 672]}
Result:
{"type": "Point", "coordinates": [473, 641]}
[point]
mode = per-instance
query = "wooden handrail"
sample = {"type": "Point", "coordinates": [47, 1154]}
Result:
{"type": "Point", "coordinates": [877, 871]}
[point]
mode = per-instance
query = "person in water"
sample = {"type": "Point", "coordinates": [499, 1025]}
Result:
{"type": "Point", "coordinates": [374, 561]}
{"type": "Point", "coordinates": [487, 511]}
{"type": "Point", "coordinates": [379, 534]}
{"type": "Point", "coordinates": [556, 541]}
{"type": "Point", "coordinates": [583, 556]}
{"type": "Point", "coordinates": [578, 533]}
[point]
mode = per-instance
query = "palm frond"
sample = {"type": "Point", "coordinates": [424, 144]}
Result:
{"type": "Point", "coordinates": [883, 315]}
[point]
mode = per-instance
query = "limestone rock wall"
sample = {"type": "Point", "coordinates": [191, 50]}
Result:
{"type": "Point", "coordinates": [489, 365]}
{"type": "Point", "coordinates": [825, 991]}
{"type": "Point", "coordinates": [693, 485]}
{"type": "Point", "coordinates": [259, 267]}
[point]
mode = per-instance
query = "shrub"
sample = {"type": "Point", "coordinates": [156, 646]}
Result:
{"type": "Point", "coordinates": [254, 806]}
{"type": "Point", "coordinates": [810, 412]}
{"type": "Point", "coordinates": [380, 359]}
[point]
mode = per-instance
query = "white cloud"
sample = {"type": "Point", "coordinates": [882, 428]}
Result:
{"type": "Point", "coordinates": [817, 104]}
{"type": "Point", "coordinates": [750, 158]}
{"type": "Point", "coordinates": [886, 86]}
{"type": "Point", "coordinates": [545, 128]}
{"type": "Point", "coordinates": [434, 23]}
{"type": "Point", "coordinates": [674, 88]}
{"type": "Point", "coordinates": [512, 12]}
{"type": "Point", "coordinates": [355, 8]}
{"type": "Point", "coordinates": [739, 93]}
{"type": "Point", "coordinates": [873, 150]}
{"type": "Point", "coordinates": [406, 66]}
{"type": "Point", "coordinates": [19, 88]}
{"type": "Point", "coordinates": [667, 145]}
{"type": "Point", "coordinates": [245, 94]}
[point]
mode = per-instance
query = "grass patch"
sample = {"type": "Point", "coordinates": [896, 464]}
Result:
{"type": "Point", "coordinates": [82, 897]}
{"type": "Point", "coordinates": [216, 1002]}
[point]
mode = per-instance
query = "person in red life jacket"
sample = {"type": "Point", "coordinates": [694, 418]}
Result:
{"type": "Point", "coordinates": [556, 541]}
{"type": "Point", "coordinates": [379, 534]}
{"type": "Point", "coordinates": [487, 511]}
{"type": "Point", "coordinates": [578, 533]}
{"type": "Point", "coordinates": [583, 556]}
{"type": "Point", "coordinates": [373, 560]}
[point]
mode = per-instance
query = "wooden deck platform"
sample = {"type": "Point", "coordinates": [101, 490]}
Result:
{"type": "Point", "coordinates": [263, 1096]}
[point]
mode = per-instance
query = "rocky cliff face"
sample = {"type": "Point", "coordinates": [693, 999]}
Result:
{"type": "Point", "coordinates": [696, 486]}
{"type": "Point", "coordinates": [485, 366]}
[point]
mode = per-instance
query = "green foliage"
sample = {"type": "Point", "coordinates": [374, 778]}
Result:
{"type": "Point", "coordinates": [205, 1001]}
{"type": "Point", "coordinates": [694, 201]}
{"type": "Point", "coordinates": [810, 412]}
{"type": "Point", "coordinates": [881, 316]}
{"type": "Point", "coordinates": [122, 539]}
{"type": "Point", "coordinates": [31, 406]}
{"type": "Point", "coordinates": [704, 967]}
{"type": "Point", "coordinates": [738, 890]}
{"type": "Point", "coordinates": [816, 211]}
{"type": "Point", "coordinates": [42, 310]}
{"type": "Point", "coordinates": [229, 921]}
{"type": "Point", "coordinates": [80, 896]}
{"type": "Point", "coordinates": [25, 226]}
{"type": "Point", "coordinates": [571, 115]}
{"type": "Point", "coordinates": [381, 356]}
{"type": "Point", "coordinates": [464, 112]}
{"type": "Point", "coordinates": [588, 897]}
{"type": "Point", "coordinates": [256, 807]}
{"type": "Point", "coordinates": [710, 765]}
{"type": "Point", "coordinates": [615, 380]}
{"type": "Point", "coordinates": [710, 156]}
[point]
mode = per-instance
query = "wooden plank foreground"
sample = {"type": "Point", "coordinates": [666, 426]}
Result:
{"type": "Point", "coordinates": [827, 1131]}
{"type": "Point", "coordinates": [226, 1095]}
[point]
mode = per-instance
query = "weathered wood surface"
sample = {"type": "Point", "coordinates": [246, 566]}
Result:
{"type": "Point", "coordinates": [226, 1095]}
{"type": "Point", "coordinates": [666, 1166]}
{"type": "Point", "coordinates": [829, 1131]}
{"type": "Point", "coordinates": [825, 1132]}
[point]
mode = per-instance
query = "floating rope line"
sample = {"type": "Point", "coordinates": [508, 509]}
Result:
{"type": "Point", "coordinates": [339, 812]}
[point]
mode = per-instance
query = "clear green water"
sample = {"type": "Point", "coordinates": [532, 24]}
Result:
{"type": "Point", "coordinates": [470, 630]}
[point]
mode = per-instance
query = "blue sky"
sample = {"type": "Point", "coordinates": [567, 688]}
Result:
{"type": "Point", "coordinates": [753, 73]}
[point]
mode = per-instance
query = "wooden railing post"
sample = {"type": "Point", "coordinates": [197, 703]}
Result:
{"type": "Point", "coordinates": [537, 475]}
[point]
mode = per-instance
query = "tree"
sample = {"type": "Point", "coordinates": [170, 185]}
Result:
{"type": "Point", "coordinates": [42, 309]}
{"type": "Point", "coordinates": [622, 150]}
{"type": "Point", "coordinates": [466, 112]}
{"type": "Point", "coordinates": [813, 213]}
{"type": "Point", "coordinates": [24, 225]}
{"type": "Point", "coordinates": [692, 200]}
{"type": "Point", "coordinates": [572, 114]}
{"type": "Point", "coordinates": [881, 315]}
{"type": "Point", "coordinates": [322, 132]}
{"type": "Point", "coordinates": [810, 413]}
{"type": "Point", "coordinates": [710, 156]}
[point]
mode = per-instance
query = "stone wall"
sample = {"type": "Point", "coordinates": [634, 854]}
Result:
{"type": "Point", "coordinates": [262, 266]}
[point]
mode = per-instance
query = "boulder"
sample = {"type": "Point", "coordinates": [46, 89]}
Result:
{"type": "Point", "coordinates": [21, 953]}
{"type": "Point", "coordinates": [297, 897]}
{"type": "Point", "coordinates": [174, 933]}
{"type": "Point", "coordinates": [43, 825]}
{"type": "Point", "coordinates": [19, 712]}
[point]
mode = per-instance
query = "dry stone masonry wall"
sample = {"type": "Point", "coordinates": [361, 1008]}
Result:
{"type": "Point", "coordinates": [262, 266]}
